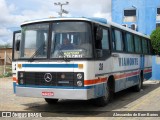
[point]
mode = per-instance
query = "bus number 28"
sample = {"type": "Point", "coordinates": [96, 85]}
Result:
{"type": "Point", "coordinates": [100, 66]}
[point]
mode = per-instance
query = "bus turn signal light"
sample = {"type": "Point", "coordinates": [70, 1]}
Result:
{"type": "Point", "coordinates": [19, 66]}
{"type": "Point", "coordinates": [80, 66]}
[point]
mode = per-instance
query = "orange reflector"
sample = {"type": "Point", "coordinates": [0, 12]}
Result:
{"type": "Point", "coordinates": [19, 65]}
{"type": "Point", "coordinates": [15, 79]}
{"type": "Point", "coordinates": [80, 66]}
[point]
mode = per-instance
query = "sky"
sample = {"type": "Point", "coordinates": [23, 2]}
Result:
{"type": "Point", "coordinates": [15, 12]}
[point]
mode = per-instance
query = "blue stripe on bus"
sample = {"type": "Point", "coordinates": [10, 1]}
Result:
{"type": "Point", "coordinates": [50, 65]}
{"type": "Point", "coordinates": [148, 75]}
{"type": "Point", "coordinates": [125, 83]}
{"type": "Point", "coordinates": [57, 87]}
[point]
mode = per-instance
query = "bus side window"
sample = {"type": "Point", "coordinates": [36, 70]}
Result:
{"type": "Point", "coordinates": [149, 46]}
{"type": "Point", "coordinates": [137, 43]}
{"type": "Point", "coordinates": [118, 40]}
{"type": "Point", "coordinates": [144, 46]}
{"type": "Point", "coordinates": [105, 40]}
{"type": "Point", "coordinates": [129, 42]}
{"type": "Point", "coordinates": [103, 45]}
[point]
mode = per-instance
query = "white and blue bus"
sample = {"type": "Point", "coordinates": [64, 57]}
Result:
{"type": "Point", "coordinates": [103, 58]}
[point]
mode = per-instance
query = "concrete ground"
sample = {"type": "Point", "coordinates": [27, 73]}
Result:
{"type": "Point", "coordinates": [144, 103]}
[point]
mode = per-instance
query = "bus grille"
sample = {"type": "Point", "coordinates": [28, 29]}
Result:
{"type": "Point", "coordinates": [46, 78]}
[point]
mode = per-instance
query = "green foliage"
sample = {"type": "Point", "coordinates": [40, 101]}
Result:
{"type": "Point", "coordinates": [8, 74]}
{"type": "Point", "coordinates": [7, 45]}
{"type": "Point", "coordinates": [155, 40]}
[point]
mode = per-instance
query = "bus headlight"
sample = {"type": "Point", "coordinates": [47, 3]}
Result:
{"type": "Point", "coordinates": [79, 79]}
{"type": "Point", "coordinates": [79, 83]}
{"type": "Point", "coordinates": [21, 75]}
{"type": "Point", "coordinates": [79, 76]}
{"type": "Point", "coordinates": [21, 81]}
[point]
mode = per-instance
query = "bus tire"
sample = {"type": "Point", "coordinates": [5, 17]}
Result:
{"type": "Point", "coordinates": [51, 101]}
{"type": "Point", "coordinates": [104, 100]}
{"type": "Point", "coordinates": [139, 86]}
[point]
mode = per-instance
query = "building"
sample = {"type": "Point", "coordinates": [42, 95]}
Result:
{"type": "Point", "coordinates": [5, 60]}
{"type": "Point", "coordinates": [140, 15]}
{"type": "Point", "coordinates": [8, 52]}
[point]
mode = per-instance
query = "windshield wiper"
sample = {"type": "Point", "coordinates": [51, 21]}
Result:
{"type": "Point", "coordinates": [36, 52]}
{"type": "Point", "coordinates": [64, 56]}
{"type": "Point", "coordinates": [39, 49]}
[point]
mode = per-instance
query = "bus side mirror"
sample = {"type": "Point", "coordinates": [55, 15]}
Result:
{"type": "Point", "coordinates": [99, 33]}
{"type": "Point", "coordinates": [17, 45]}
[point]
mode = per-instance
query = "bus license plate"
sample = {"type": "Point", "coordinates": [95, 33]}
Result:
{"type": "Point", "coordinates": [47, 93]}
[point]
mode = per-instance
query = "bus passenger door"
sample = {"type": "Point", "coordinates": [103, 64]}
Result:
{"type": "Point", "coordinates": [16, 47]}
{"type": "Point", "coordinates": [15, 55]}
{"type": "Point", "coordinates": [102, 61]}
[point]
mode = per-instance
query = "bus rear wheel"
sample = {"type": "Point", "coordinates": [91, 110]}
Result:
{"type": "Point", "coordinates": [139, 86]}
{"type": "Point", "coordinates": [51, 101]}
{"type": "Point", "coordinates": [104, 100]}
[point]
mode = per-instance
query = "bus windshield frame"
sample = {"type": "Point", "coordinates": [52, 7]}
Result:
{"type": "Point", "coordinates": [48, 40]}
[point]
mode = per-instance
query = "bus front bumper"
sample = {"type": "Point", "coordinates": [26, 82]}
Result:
{"type": "Point", "coordinates": [56, 93]}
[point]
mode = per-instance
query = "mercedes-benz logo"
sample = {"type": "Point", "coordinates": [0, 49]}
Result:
{"type": "Point", "coordinates": [48, 77]}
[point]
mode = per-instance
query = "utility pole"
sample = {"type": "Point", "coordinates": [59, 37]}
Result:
{"type": "Point", "coordinates": [61, 9]}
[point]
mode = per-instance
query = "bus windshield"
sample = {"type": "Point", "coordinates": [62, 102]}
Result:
{"type": "Point", "coordinates": [34, 41]}
{"type": "Point", "coordinates": [68, 39]}
{"type": "Point", "coordinates": [71, 40]}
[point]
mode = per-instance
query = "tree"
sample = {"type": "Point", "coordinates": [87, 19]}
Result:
{"type": "Point", "coordinates": [155, 40]}
{"type": "Point", "coordinates": [7, 45]}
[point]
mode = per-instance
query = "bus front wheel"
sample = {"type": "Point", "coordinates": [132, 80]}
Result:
{"type": "Point", "coordinates": [51, 101]}
{"type": "Point", "coordinates": [104, 100]}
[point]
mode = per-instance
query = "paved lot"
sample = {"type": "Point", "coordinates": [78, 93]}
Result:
{"type": "Point", "coordinates": [146, 100]}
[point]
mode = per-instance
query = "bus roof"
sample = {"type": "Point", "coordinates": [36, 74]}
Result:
{"type": "Point", "coordinates": [101, 21]}
{"type": "Point", "coordinates": [94, 19]}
